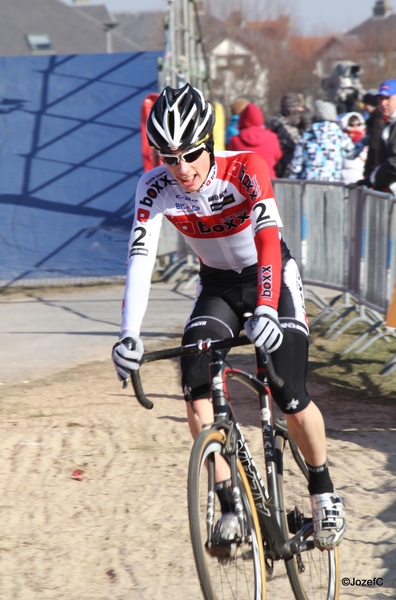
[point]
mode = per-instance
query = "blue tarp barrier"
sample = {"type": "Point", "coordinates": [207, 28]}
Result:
{"type": "Point", "coordinates": [70, 158]}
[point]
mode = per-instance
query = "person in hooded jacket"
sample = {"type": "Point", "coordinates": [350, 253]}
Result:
{"type": "Point", "coordinates": [255, 137]}
{"type": "Point", "coordinates": [286, 125]}
{"type": "Point", "coordinates": [320, 153]}
{"type": "Point", "coordinates": [354, 125]}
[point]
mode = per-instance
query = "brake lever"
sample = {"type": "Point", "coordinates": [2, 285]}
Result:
{"type": "Point", "coordinates": [135, 378]}
{"type": "Point", "coordinates": [128, 343]}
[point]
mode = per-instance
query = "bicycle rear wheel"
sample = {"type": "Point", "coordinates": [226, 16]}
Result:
{"type": "Point", "coordinates": [242, 577]}
{"type": "Point", "coordinates": [313, 574]}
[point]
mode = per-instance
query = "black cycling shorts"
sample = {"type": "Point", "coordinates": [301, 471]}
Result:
{"type": "Point", "coordinates": [222, 299]}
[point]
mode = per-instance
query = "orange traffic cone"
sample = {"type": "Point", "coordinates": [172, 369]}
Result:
{"type": "Point", "coordinates": [390, 320]}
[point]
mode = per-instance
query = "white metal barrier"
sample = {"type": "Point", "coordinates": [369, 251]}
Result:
{"type": "Point", "coordinates": [288, 194]}
{"type": "Point", "coordinates": [342, 239]}
{"type": "Point", "coordinates": [176, 262]}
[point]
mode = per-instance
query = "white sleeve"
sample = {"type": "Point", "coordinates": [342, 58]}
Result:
{"type": "Point", "coordinates": [142, 253]}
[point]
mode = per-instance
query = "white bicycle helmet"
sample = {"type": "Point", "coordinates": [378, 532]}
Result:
{"type": "Point", "coordinates": [179, 119]}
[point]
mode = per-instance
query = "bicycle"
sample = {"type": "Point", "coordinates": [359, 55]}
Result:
{"type": "Point", "coordinates": [274, 522]}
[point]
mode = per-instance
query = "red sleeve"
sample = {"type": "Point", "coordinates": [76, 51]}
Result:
{"type": "Point", "coordinates": [269, 267]}
{"type": "Point", "coordinates": [265, 222]}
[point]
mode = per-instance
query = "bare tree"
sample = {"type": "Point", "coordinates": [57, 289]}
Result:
{"type": "Point", "coordinates": [276, 58]}
{"type": "Point", "coordinates": [282, 58]}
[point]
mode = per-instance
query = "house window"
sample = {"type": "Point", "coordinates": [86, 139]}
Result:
{"type": "Point", "coordinates": [238, 61]}
{"type": "Point", "coordinates": [40, 44]}
{"type": "Point", "coordinates": [222, 62]}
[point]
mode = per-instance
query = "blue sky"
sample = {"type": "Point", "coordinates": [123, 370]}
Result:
{"type": "Point", "coordinates": [311, 16]}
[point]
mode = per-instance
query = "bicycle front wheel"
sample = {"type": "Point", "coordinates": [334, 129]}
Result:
{"type": "Point", "coordinates": [240, 577]}
{"type": "Point", "coordinates": [313, 574]}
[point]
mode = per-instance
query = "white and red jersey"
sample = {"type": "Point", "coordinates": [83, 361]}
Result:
{"type": "Point", "coordinates": [230, 223]}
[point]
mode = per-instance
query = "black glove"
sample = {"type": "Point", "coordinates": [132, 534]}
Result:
{"type": "Point", "coordinates": [362, 182]}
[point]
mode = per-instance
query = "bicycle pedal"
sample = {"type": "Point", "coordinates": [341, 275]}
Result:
{"type": "Point", "coordinates": [224, 552]}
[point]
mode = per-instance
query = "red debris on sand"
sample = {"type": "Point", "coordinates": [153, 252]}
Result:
{"type": "Point", "coordinates": [78, 474]}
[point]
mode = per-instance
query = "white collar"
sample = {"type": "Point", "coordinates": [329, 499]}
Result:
{"type": "Point", "coordinates": [392, 118]}
{"type": "Point", "coordinates": [209, 180]}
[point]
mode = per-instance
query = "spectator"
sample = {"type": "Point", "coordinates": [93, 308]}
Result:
{"type": "Point", "coordinates": [374, 128]}
{"type": "Point", "coordinates": [286, 126]}
{"type": "Point", "coordinates": [305, 116]}
{"type": "Point", "coordinates": [321, 151]}
{"type": "Point", "coordinates": [255, 137]}
{"type": "Point", "coordinates": [369, 102]}
{"type": "Point", "coordinates": [384, 175]}
{"type": "Point", "coordinates": [232, 128]}
{"type": "Point", "coordinates": [354, 125]}
{"type": "Point", "coordinates": [350, 103]}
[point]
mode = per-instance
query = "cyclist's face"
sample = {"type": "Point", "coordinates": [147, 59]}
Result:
{"type": "Point", "coordinates": [191, 176]}
{"type": "Point", "coordinates": [388, 105]}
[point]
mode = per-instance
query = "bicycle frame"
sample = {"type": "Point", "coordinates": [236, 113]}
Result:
{"type": "Point", "coordinates": [266, 498]}
{"type": "Point", "coordinates": [270, 520]}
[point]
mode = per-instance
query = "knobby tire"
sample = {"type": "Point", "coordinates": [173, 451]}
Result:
{"type": "Point", "coordinates": [244, 576]}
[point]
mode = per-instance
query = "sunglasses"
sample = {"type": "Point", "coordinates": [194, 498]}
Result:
{"type": "Point", "coordinates": [189, 156]}
{"type": "Point", "coordinates": [355, 125]}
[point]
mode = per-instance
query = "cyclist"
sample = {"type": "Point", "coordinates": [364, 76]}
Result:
{"type": "Point", "coordinates": [223, 204]}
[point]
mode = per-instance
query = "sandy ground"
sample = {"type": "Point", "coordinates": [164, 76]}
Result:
{"type": "Point", "coordinates": [122, 532]}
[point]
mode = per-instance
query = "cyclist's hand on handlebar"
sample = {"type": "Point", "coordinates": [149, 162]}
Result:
{"type": "Point", "coordinates": [263, 328]}
{"type": "Point", "coordinates": [127, 353]}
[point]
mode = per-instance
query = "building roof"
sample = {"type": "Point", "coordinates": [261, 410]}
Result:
{"type": "Point", "coordinates": [345, 41]}
{"type": "Point", "coordinates": [381, 26]}
{"type": "Point", "coordinates": [78, 29]}
{"type": "Point", "coordinates": [375, 26]}
{"type": "Point", "coordinates": [144, 29]}
{"type": "Point", "coordinates": [228, 47]}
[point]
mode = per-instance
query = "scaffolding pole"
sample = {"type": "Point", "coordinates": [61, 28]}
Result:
{"type": "Point", "coordinates": [185, 59]}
